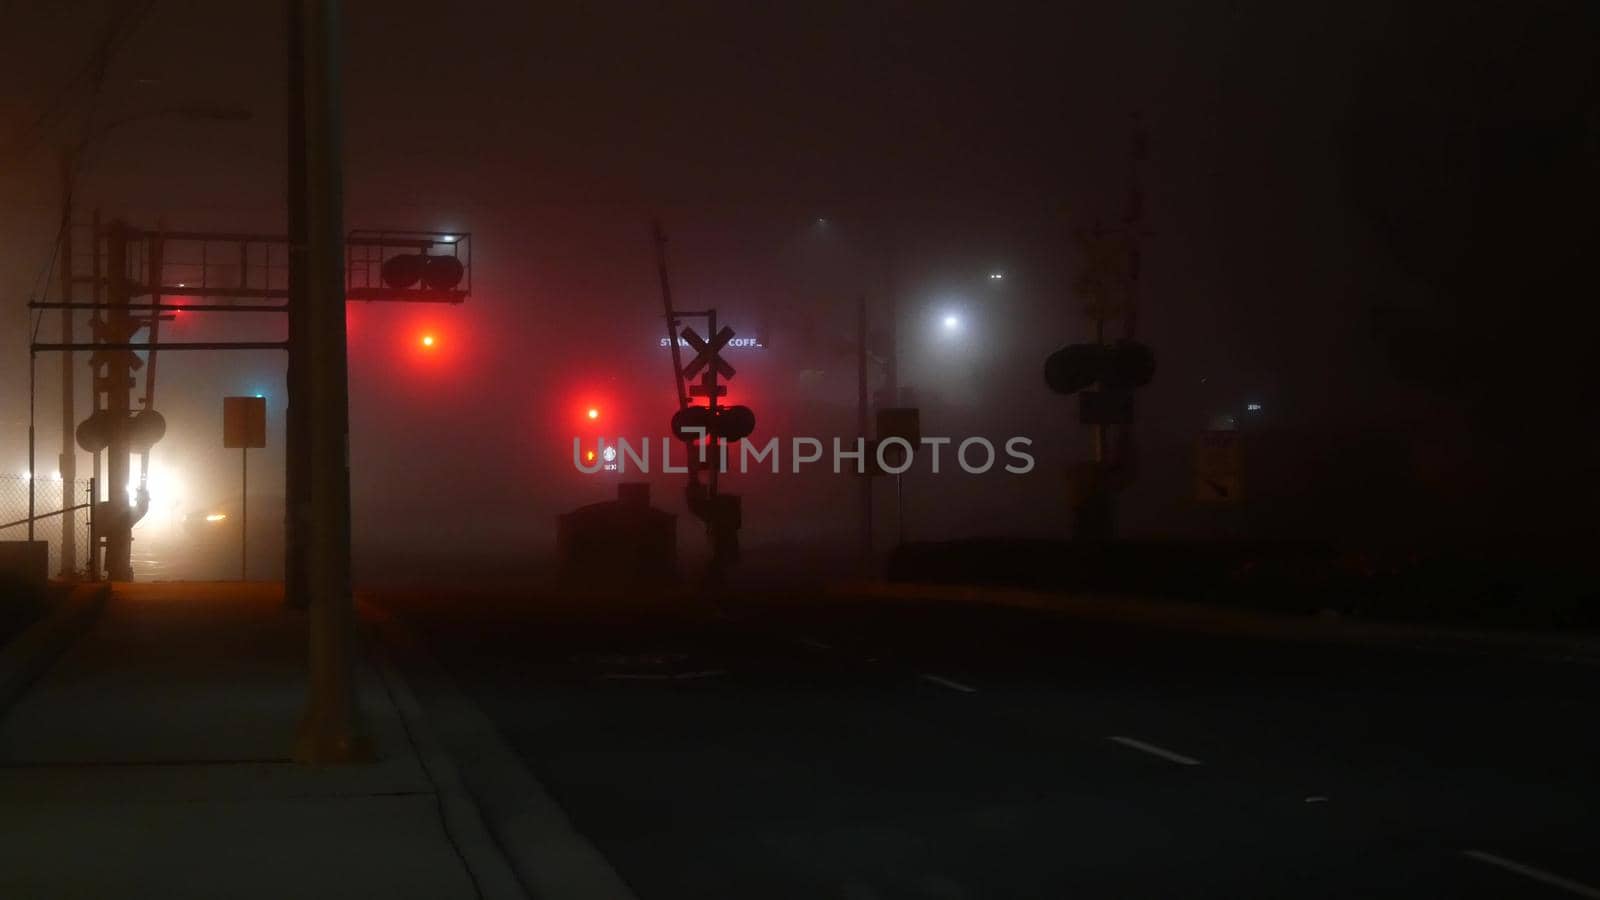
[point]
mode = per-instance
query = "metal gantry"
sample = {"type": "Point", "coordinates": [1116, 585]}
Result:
{"type": "Point", "coordinates": [126, 278]}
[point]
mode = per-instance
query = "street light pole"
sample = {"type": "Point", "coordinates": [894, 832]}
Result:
{"type": "Point", "coordinates": [331, 730]}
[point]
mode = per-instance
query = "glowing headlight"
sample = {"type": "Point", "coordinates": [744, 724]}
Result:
{"type": "Point", "coordinates": [168, 497]}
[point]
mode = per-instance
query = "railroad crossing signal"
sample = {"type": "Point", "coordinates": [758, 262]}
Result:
{"type": "Point", "coordinates": [707, 358]}
{"type": "Point", "coordinates": [706, 352]}
{"type": "Point", "coordinates": [719, 423]}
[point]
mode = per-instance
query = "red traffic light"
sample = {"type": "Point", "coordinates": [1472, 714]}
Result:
{"type": "Point", "coordinates": [691, 423]}
{"type": "Point", "coordinates": [442, 273]}
{"type": "Point", "coordinates": [731, 423]}
{"type": "Point", "coordinates": [404, 271]}
{"type": "Point", "coordinates": [735, 423]}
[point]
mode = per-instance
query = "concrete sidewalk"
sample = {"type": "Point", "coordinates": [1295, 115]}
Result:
{"type": "Point", "coordinates": [152, 761]}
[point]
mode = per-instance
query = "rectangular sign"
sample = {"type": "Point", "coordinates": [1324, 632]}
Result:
{"type": "Point", "coordinates": [244, 422]}
{"type": "Point", "coordinates": [901, 422]}
{"type": "Point", "coordinates": [735, 343]}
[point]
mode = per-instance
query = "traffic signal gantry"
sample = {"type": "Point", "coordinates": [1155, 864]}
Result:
{"type": "Point", "coordinates": [124, 264]}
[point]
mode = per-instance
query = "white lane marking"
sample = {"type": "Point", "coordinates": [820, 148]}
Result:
{"type": "Point", "coordinates": [708, 673]}
{"type": "Point", "coordinates": [1153, 750]}
{"type": "Point", "coordinates": [664, 676]}
{"type": "Point", "coordinates": [1578, 659]}
{"type": "Point", "coordinates": [952, 685]}
{"type": "Point", "coordinates": [812, 643]}
{"type": "Point", "coordinates": [1567, 884]}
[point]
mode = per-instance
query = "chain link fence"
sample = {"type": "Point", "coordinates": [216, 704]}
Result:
{"type": "Point", "coordinates": [46, 527]}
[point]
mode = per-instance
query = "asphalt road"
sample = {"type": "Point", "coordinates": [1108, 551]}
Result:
{"type": "Point", "coordinates": [892, 751]}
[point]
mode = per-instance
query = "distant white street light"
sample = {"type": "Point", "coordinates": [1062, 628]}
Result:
{"type": "Point", "coordinates": [952, 322]}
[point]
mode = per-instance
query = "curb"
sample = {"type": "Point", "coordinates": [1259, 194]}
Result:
{"type": "Point", "coordinates": [30, 654]}
{"type": "Point", "coordinates": [492, 793]}
{"type": "Point", "coordinates": [1231, 622]}
{"type": "Point", "coordinates": [491, 872]}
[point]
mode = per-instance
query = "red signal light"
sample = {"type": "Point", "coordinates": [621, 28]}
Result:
{"type": "Point", "coordinates": [593, 413]}
{"type": "Point", "coordinates": [427, 340]}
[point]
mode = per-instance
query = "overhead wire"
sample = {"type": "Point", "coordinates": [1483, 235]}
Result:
{"type": "Point", "coordinates": [122, 26]}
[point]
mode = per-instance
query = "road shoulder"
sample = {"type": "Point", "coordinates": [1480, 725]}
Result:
{"type": "Point", "coordinates": [551, 858]}
{"type": "Point", "coordinates": [1576, 649]}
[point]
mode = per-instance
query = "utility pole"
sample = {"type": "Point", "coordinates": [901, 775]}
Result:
{"type": "Point", "coordinates": [69, 442]}
{"type": "Point", "coordinates": [1110, 283]}
{"type": "Point", "coordinates": [891, 386]}
{"type": "Point", "coordinates": [862, 414]}
{"type": "Point", "coordinates": [297, 509]}
{"type": "Point", "coordinates": [331, 730]}
{"type": "Point", "coordinates": [97, 294]}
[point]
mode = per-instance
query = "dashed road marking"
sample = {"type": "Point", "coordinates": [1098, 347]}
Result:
{"type": "Point", "coordinates": [1153, 750]}
{"type": "Point", "coordinates": [812, 643]}
{"type": "Point", "coordinates": [1578, 659]}
{"type": "Point", "coordinates": [952, 685]}
{"type": "Point", "coordinates": [664, 676]}
{"type": "Point", "coordinates": [1540, 875]}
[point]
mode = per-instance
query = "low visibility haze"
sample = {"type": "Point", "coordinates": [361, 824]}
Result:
{"type": "Point", "coordinates": [1372, 221]}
